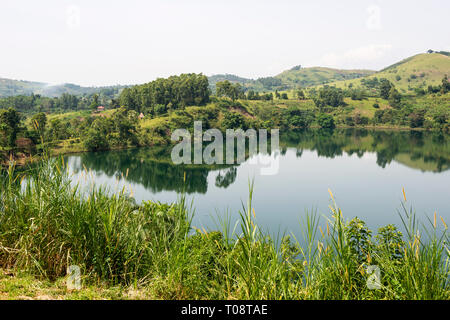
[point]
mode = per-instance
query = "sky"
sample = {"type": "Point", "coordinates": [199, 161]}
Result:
{"type": "Point", "coordinates": [108, 42]}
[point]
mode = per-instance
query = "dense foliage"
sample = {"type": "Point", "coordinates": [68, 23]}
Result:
{"type": "Point", "coordinates": [64, 103]}
{"type": "Point", "coordinates": [172, 93]}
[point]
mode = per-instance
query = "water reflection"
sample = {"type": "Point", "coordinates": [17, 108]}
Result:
{"type": "Point", "coordinates": [152, 168]}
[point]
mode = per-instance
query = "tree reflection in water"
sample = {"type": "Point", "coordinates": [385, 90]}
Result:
{"type": "Point", "coordinates": [152, 168]}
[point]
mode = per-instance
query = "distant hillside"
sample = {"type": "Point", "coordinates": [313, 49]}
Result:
{"type": "Point", "coordinates": [9, 87]}
{"type": "Point", "coordinates": [230, 77]}
{"type": "Point", "coordinates": [54, 91]}
{"type": "Point", "coordinates": [247, 83]}
{"type": "Point", "coordinates": [306, 77]}
{"type": "Point", "coordinates": [292, 78]}
{"type": "Point", "coordinates": [418, 71]}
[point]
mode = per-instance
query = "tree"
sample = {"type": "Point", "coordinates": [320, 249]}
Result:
{"type": "Point", "coordinates": [300, 94]}
{"type": "Point", "coordinates": [125, 123]}
{"type": "Point", "coordinates": [58, 129]}
{"type": "Point", "coordinates": [385, 88]}
{"type": "Point", "coordinates": [395, 98]}
{"type": "Point", "coordinates": [128, 99]}
{"type": "Point", "coordinates": [329, 96]}
{"type": "Point", "coordinates": [325, 121]}
{"type": "Point", "coordinates": [445, 85]}
{"type": "Point", "coordinates": [175, 92]}
{"type": "Point", "coordinates": [94, 141]}
{"type": "Point", "coordinates": [416, 119]}
{"type": "Point", "coordinates": [94, 103]}
{"type": "Point", "coordinates": [357, 94]}
{"type": "Point", "coordinates": [234, 120]}
{"type": "Point", "coordinates": [360, 120]}
{"type": "Point", "coordinates": [440, 118]}
{"type": "Point", "coordinates": [251, 95]}
{"type": "Point", "coordinates": [9, 125]}
{"type": "Point", "coordinates": [294, 117]}
{"type": "Point", "coordinates": [228, 89]}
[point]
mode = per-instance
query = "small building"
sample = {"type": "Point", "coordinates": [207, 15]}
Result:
{"type": "Point", "coordinates": [141, 116]}
{"type": "Point", "coordinates": [100, 108]}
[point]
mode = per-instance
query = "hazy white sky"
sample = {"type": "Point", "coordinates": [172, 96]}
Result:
{"type": "Point", "coordinates": [105, 42]}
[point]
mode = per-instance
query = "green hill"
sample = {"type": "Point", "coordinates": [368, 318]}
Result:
{"type": "Point", "coordinates": [418, 71]}
{"type": "Point", "coordinates": [307, 77]}
{"type": "Point", "coordinates": [292, 78]}
{"type": "Point", "coordinates": [9, 87]}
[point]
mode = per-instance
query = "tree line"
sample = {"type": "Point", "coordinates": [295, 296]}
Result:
{"type": "Point", "coordinates": [66, 102]}
{"type": "Point", "coordinates": [159, 96]}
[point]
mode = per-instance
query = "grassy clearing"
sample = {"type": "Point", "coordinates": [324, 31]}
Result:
{"type": "Point", "coordinates": [47, 224]}
{"type": "Point", "coordinates": [365, 107]}
{"type": "Point", "coordinates": [306, 77]}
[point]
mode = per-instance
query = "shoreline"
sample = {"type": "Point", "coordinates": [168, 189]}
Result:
{"type": "Point", "coordinates": [23, 161]}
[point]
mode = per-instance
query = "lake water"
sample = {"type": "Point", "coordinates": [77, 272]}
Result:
{"type": "Point", "coordinates": [366, 171]}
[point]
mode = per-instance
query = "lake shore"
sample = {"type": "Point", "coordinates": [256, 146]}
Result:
{"type": "Point", "coordinates": [78, 148]}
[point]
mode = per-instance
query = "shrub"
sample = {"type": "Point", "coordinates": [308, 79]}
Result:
{"type": "Point", "coordinates": [349, 121]}
{"type": "Point", "coordinates": [234, 120]}
{"type": "Point", "coordinates": [416, 119]}
{"type": "Point", "coordinates": [325, 121]}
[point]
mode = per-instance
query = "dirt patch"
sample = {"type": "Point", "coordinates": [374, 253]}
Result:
{"type": "Point", "coordinates": [243, 112]}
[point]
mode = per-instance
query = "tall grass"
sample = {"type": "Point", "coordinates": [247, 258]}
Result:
{"type": "Point", "coordinates": [47, 224]}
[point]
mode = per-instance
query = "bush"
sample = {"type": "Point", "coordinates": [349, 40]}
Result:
{"type": "Point", "coordinates": [297, 118]}
{"type": "Point", "coordinates": [234, 120]}
{"type": "Point", "coordinates": [325, 121]}
{"type": "Point", "coordinates": [95, 140]}
{"type": "Point", "coordinates": [416, 119]}
{"type": "Point", "coordinates": [329, 96]}
{"type": "Point", "coordinates": [361, 120]}
{"type": "Point", "coordinates": [349, 121]}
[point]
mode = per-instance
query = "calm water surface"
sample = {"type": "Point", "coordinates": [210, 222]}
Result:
{"type": "Point", "coordinates": [366, 171]}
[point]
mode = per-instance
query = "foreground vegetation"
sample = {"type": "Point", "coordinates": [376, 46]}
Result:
{"type": "Point", "coordinates": [151, 250]}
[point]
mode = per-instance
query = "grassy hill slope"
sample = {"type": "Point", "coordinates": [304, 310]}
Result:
{"type": "Point", "coordinates": [292, 78]}
{"type": "Point", "coordinates": [418, 71]}
{"type": "Point", "coordinates": [10, 87]}
{"type": "Point", "coordinates": [306, 77]}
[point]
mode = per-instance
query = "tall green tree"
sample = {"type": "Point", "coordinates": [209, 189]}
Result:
{"type": "Point", "coordinates": [300, 94]}
{"type": "Point", "coordinates": [445, 85]}
{"type": "Point", "coordinates": [174, 92]}
{"type": "Point", "coordinates": [329, 96]}
{"type": "Point", "coordinates": [228, 89]}
{"type": "Point", "coordinates": [385, 88]}
{"type": "Point", "coordinates": [395, 98]}
{"type": "Point", "coordinates": [95, 102]}
{"type": "Point", "coordinates": [9, 126]}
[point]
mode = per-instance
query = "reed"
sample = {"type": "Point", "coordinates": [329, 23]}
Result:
{"type": "Point", "coordinates": [47, 223]}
